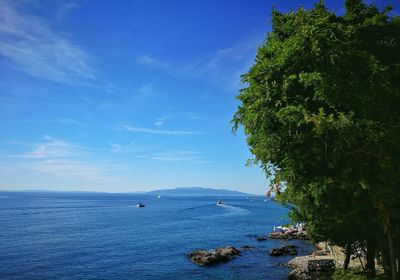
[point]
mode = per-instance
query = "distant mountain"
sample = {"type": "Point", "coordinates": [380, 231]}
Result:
{"type": "Point", "coordinates": [197, 191]}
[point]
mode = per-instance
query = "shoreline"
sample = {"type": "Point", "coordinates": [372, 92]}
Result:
{"type": "Point", "coordinates": [325, 261]}
{"type": "Point", "coordinates": [318, 265]}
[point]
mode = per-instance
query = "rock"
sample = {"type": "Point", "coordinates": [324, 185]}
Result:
{"type": "Point", "coordinates": [312, 267]}
{"type": "Point", "coordinates": [260, 238]}
{"type": "Point", "coordinates": [289, 235]}
{"type": "Point", "coordinates": [320, 253]}
{"type": "Point", "coordinates": [278, 236]}
{"type": "Point", "coordinates": [276, 252]}
{"type": "Point", "coordinates": [215, 256]}
{"type": "Point", "coordinates": [229, 251]}
{"type": "Point", "coordinates": [247, 247]}
{"type": "Point", "coordinates": [302, 236]}
{"type": "Point", "coordinates": [293, 252]}
{"type": "Point", "coordinates": [202, 257]}
{"type": "Point", "coordinates": [296, 275]}
{"type": "Point", "coordinates": [288, 249]}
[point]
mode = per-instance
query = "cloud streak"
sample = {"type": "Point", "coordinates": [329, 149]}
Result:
{"type": "Point", "coordinates": [32, 47]}
{"type": "Point", "coordinates": [66, 7]}
{"type": "Point", "coordinates": [152, 62]}
{"type": "Point", "coordinates": [189, 157]}
{"type": "Point", "coordinates": [53, 148]}
{"type": "Point", "coordinates": [65, 121]}
{"type": "Point", "coordinates": [161, 120]}
{"type": "Point", "coordinates": [65, 168]}
{"type": "Point", "coordinates": [222, 67]}
{"type": "Point", "coordinates": [159, 131]}
{"type": "Point", "coordinates": [60, 159]}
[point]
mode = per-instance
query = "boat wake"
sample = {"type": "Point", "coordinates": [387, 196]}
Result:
{"type": "Point", "coordinates": [233, 210]}
{"type": "Point", "coordinates": [208, 211]}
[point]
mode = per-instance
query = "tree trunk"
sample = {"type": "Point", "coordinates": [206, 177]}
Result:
{"type": "Point", "coordinates": [370, 266]}
{"type": "Point", "coordinates": [389, 252]}
{"type": "Point", "coordinates": [348, 254]}
{"type": "Point", "coordinates": [392, 254]}
{"type": "Point", "coordinates": [384, 256]}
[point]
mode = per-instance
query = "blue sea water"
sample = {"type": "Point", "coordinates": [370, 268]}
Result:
{"type": "Point", "coordinates": [45, 235]}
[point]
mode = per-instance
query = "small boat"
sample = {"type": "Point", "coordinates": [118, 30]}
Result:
{"type": "Point", "coordinates": [220, 202]}
{"type": "Point", "coordinates": [140, 205]}
{"type": "Point", "coordinates": [159, 196]}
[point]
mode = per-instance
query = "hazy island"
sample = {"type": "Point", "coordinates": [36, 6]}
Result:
{"type": "Point", "coordinates": [197, 191]}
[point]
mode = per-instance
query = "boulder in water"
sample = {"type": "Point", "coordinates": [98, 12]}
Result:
{"type": "Point", "coordinates": [229, 251]}
{"type": "Point", "coordinates": [218, 255]}
{"type": "Point", "coordinates": [247, 247]}
{"type": "Point", "coordinates": [288, 249]}
{"type": "Point", "coordinates": [261, 238]}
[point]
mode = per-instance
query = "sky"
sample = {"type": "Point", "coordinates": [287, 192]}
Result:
{"type": "Point", "coordinates": [124, 96]}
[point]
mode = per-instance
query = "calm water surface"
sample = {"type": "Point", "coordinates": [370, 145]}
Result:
{"type": "Point", "coordinates": [101, 236]}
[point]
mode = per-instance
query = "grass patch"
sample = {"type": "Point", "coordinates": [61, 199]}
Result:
{"type": "Point", "coordinates": [354, 274]}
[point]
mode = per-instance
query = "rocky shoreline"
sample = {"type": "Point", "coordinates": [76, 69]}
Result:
{"type": "Point", "coordinates": [312, 267]}
{"type": "Point", "coordinates": [315, 266]}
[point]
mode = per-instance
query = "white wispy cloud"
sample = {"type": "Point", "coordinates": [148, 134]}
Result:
{"type": "Point", "coordinates": [52, 148]}
{"type": "Point", "coordinates": [158, 131]}
{"type": "Point", "coordinates": [67, 168]}
{"type": "Point", "coordinates": [68, 6]}
{"type": "Point", "coordinates": [55, 162]}
{"type": "Point", "coordinates": [161, 120]}
{"type": "Point", "coordinates": [119, 148]}
{"type": "Point", "coordinates": [151, 61]}
{"type": "Point", "coordinates": [222, 67]}
{"type": "Point", "coordinates": [31, 46]}
{"type": "Point", "coordinates": [59, 158]}
{"type": "Point", "coordinates": [66, 121]}
{"type": "Point", "coordinates": [175, 156]}
{"type": "Point", "coordinates": [130, 99]}
{"type": "Point", "coordinates": [215, 63]}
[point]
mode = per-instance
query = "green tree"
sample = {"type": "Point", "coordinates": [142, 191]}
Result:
{"type": "Point", "coordinates": [321, 111]}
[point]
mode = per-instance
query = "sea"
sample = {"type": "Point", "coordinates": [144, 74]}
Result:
{"type": "Point", "coordinates": [66, 235]}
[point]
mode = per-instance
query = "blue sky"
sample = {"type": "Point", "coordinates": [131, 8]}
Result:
{"type": "Point", "coordinates": [127, 95]}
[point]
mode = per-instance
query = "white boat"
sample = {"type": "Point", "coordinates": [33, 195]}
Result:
{"type": "Point", "coordinates": [140, 205]}
{"type": "Point", "coordinates": [220, 202]}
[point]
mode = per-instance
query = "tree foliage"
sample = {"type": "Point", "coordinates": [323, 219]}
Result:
{"type": "Point", "coordinates": [321, 111]}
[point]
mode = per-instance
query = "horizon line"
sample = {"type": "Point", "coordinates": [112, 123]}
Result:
{"type": "Point", "coordinates": [118, 192]}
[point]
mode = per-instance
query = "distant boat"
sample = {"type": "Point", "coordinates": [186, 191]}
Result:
{"type": "Point", "coordinates": [220, 202]}
{"type": "Point", "coordinates": [159, 196]}
{"type": "Point", "coordinates": [140, 205]}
